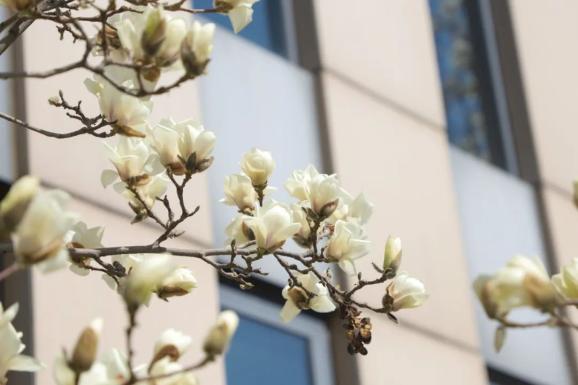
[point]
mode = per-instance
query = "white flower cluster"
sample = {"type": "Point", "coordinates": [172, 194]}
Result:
{"type": "Point", "coordinates": [524, 282]}
{"type": "Point", "coordinates": [112, 367]}
{"type": "Point", "coordinates": [37, 222]}
{"type": "Point", "coordinates": [325, 218]}
{"type": "Point", "coordinates": [140, 164]}
{"type": "Point", "coordinates": [11, 346]}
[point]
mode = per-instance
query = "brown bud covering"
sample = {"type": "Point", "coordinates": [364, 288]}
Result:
{"type": "Point", "coordinates": [357, 330]}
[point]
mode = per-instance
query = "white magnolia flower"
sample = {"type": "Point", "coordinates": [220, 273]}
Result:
{"type": "Point", "coordinates": [346, 244]}
{"type": "Point", "coordinates": [239, 191]}
{"type": "Point", "coordinates": [272, 225]}
{"type": "Point", "coordinates": [132, 161]}
{"type": "Point", "coordinates": [405, 292]}
{"type": "Point", "coordinates": [392, 254]}
{"type": "Point", "coordinates": [297, 299]}
{"type": "Point", "coordinates": [258, 165]}
{"type": "Point", "coordinates": [240, 12]}
{"type": "Point", "coordinates": [522, 282]}
{"type": "Point", "coordinates": [172, 343]}
{"type": "Point", "coordinates": [238, 231]}
{"type": "Point", "coordinates": [128, 113]}
{"type": "Point", "coordinates": [322, 191]}
{"type": "Point", "coordinates": [165, 142]}
{"type": "Point", "coordinates": [153, 35]}
{"type": "Point", "coordinates": [218, 339]}
{"type": "Point", "coordinates": [197, 47]}
{"type": "Point", "coordinates": [83, 237]}
{"type": "Point", "coordinates": [145, 278]}
{"type": "Point", "coordinates": [184, 146]}
{"type": "Point", "coordinates": [302, 237]}
{"type": "Point", "coordinates": [164, 367]}
{"type": "Point", "coordinates": [349, 209]}
{"type": "Point", "coordinates": [16, 202]}
{"type": "Point", "coordinates": [180, 282]}
{"type": "Point", "coordinates": [566, 282]}
{"type": "Point", "coordinates": [11, 346]}
{"type": "Point", "coordinates": [40, 237]}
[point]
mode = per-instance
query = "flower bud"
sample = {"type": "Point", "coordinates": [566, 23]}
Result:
{"type": "Point", "coordinates": [240, 192]}
{"type": "Point", "coordinates": [172, 344]}
{"type": "Point", "coordinates": [145, 278]}
{"type": "Point", "coordinates": [483, 289]}
{"type": "Point", "coordinates": [220, 335]}
{"type": "Point", "coordinates": [86, 347]}
{"type": "Point", "coordinates": [258, 165]}
{"type": "Point", "coordinates": [404, 292]}
{"type": "Point", "coordinates": [154, 32]}
{"type": "Point", "coordinates": [179, 283]}
{"type": "Point", "coordinates": [196, 48]}
{"type": "Point", "coordinates": [392, 254]}
{"type": "Point", "coordinates": [15, 204]}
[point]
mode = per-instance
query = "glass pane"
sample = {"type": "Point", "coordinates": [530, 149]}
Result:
{"type": "Point", "coordinates": [266, 30]}
{"type": "Point", "coordinates": [464, 73]}
{"type": "Point", "coordinates": [262, 354]}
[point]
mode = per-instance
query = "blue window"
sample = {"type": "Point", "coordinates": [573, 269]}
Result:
{"type": "Point", "coordinates": [267, 29]}
{"type": "Point", "coordinates": [276, 356]}
{"type": "Point", "coordinates": [267, 351]}
{"type": "Point", "coordinates": [475, 121]}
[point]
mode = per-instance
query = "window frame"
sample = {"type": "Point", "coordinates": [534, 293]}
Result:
{"type": "Point", "coordinates": [314, 330]}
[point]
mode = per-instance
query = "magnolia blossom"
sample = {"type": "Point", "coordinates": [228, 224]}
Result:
{"type": "Point", "coordinates": [183, 146]}
{"type": "Point", "coordinates": [258, 165]}
{"type": "Point", "coordinates": [350, 209]}
{"type": "Point", "coordinates": [128, 113]}
{"type": "Point", "coordinates": [146, 278]}
{"type": "Point", "coordinates": [14, 205]}
{"type": "Point", "coordinates": [83, 237]}
{"type": "Point", "coordinates": [271, 226]}
{"type": "Point", "coordinates": [196, 47]}
{"type": "Point", "coordinates": [180, 282]}
{"type": "Point", "coordinates": [128, 262]}
{"type": "Point", "coordinates": [116, 367]}
{"type": "Point", "coordinates": [238, 231]}
{"type": "Point", "coordinates": [303, 236]}
{"type": "Point", "coordinates": [240, 12]}
{"type": "Point", "coordinates": [132, 161]}
{"type": "Point", "coordinates": [166, 366]}
{"type": "Point", "coordinates": [566, 282]}
{"type": "Point", "coordinates": [220, 335]}
{"type": "Point", "coordinates": [11, 346]}
{"type": "Point", "coordinates": [172, 344]}
{"type": "Point", "coordinates": [522, 282]}
{"type": "Point", "coordinates": [347, 243]}
{"type": "Point", "coordinates": [40, 235]}
{"type": "Point", "coordinates": [239, 192]}
{"type": "Point", "coordinates": [298, 299]}
{"type": "Point", "coordinates": [404, 292]}
{"type": "Point", "coordinates": [152, 35]}
{"type": "Point", "coordinates": [322, 191]}
{"type": "Point", "coordinates": [392, 254]}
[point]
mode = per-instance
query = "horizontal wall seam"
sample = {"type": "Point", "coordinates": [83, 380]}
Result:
{"type": "Point", "coordinates": [390, 103]}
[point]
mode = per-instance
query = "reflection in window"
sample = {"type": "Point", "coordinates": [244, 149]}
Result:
{"type": "Point", "coordinates": [468, 95]}
{"type": "Point", "coordinates": [264, 354]}
{"type": "Point", "coordinates": [267, 29]}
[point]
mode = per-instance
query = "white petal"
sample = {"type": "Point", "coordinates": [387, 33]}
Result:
{"type": "Point", "coordinates": [23, 363]}
{"type": "Point", "coordinates": [240, 17]}
{"type": "Point", "coordinates": [321, 304]}
{"type": "Point", "coordinates": [289, 311]}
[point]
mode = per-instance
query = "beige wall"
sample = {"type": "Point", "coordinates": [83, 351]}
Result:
{"type": "Point", "coordinates": [386, 128]}
{"type": "Point", "coordinates": [545, 36]}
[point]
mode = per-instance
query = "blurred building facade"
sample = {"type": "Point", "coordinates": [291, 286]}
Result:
{"type": "Point", "coordinates": [452, 116]}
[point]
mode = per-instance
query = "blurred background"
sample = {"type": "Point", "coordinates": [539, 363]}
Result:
{"type": "Point", "coordinates": [452, 116]}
